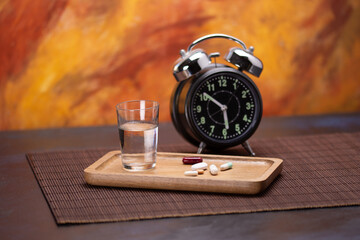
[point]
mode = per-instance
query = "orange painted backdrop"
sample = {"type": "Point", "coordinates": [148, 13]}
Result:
{"type": "Point", "coordinates": [68, 62]}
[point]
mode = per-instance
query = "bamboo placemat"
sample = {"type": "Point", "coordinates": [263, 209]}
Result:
{"type": "Point", "coordinates": [319, 171]}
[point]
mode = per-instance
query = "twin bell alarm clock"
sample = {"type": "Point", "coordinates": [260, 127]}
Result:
{"type": "Point", "coordinates": [213, 105]}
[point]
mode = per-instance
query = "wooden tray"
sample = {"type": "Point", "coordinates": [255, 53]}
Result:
{"type": "Point", "coordinates": [249, 175]}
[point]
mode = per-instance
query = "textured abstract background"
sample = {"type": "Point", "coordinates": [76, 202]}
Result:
{"type": "Point", "coordinates": [68, 62]}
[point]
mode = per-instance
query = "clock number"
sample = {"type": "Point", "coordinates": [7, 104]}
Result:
{"type": "Point", "coordinates": [198, 109]}
{"type": "Point", "coordinates": [222, 83]}
{"type": "Point", "coordinates": [212, 127]}
{"type": "Point", "coordinates": [202, 120]}
{"type": "Point", "coordinates": [244, 93]}
{"type": "Point", "coordinates": [224, 133]}
{"type": "Point", "coordinates": [203, 97]}
{"type": "Point", "coordinates": [234, 84]}
{"type": "Point", "coordinates": [245, 118]}
{"type": "Point", "coordinates": [237, 128]}
{"type": "Point", "coordinates": [249, 106]}
{"type": "Point", "coordinates": [211, 87]}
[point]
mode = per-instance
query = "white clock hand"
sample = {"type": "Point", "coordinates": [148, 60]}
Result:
{"type": "Point", "coordinates": [226, 120]}
{"type": "Point", "coordinates": [214, 100]}
{"type": "Point", "coordinates": [223, 109]}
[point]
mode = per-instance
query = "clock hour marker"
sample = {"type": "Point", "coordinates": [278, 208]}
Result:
{"type": "Point", "coordinates": [212, 128]}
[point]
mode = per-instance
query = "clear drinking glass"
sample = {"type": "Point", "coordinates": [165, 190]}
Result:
{"type": "Point", "coordinates": [138, 123]}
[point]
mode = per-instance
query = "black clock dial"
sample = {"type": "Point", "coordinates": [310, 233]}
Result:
{"type": "Point", "coordinates": [225, 107]}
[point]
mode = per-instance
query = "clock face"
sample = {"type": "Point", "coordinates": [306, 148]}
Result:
{"type": "Point", "coordinates": [225, 107]}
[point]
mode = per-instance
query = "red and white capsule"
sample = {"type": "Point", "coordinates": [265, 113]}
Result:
{"type": "Point", "coordinates": [191, 160]}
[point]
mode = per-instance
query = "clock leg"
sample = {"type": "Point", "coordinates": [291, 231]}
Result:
{"type": "Point", "coordinates": [247, 147]}
{"type": "Point", "coordinates": [201, 147]}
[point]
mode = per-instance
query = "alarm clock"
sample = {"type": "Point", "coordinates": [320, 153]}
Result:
{"type": "Point", "coordinates": [213, 105]}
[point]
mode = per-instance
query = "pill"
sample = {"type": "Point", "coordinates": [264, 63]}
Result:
{"type": "Point", "coordinates": [191, 160]}
{"type": "Point", "coordinates": [213, 169]}
{"type": "Point", "coordinates": [226, 166]}
{"type": "Point", "coordinates": [200, 171]}
{"type": "Point", "coordinates": [198, 166]}
{"type": "Point", "coordinates": [191, 173]}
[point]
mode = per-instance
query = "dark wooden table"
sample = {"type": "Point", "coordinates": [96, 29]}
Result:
{"type": "Point", "coordinates": [24, 213]}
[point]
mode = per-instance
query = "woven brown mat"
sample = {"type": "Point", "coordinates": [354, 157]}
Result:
{"type": "Point", "coordinates": [319, 171]}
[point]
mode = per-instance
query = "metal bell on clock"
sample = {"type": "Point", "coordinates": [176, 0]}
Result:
{"type": "Point", "coordinates": [190, 63]}
{"type": "Point", "coordinates": [245, 60]}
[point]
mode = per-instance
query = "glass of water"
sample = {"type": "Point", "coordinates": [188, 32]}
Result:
{"type": "Point", "coordinates": [138, 123]}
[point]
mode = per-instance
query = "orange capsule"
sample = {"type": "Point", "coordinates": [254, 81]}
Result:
{"type": "Point", "coordinates": [200, 171]}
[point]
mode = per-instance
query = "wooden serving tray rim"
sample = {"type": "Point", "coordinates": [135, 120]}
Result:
{"type": "Point", "coordinates": [276, 166]}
